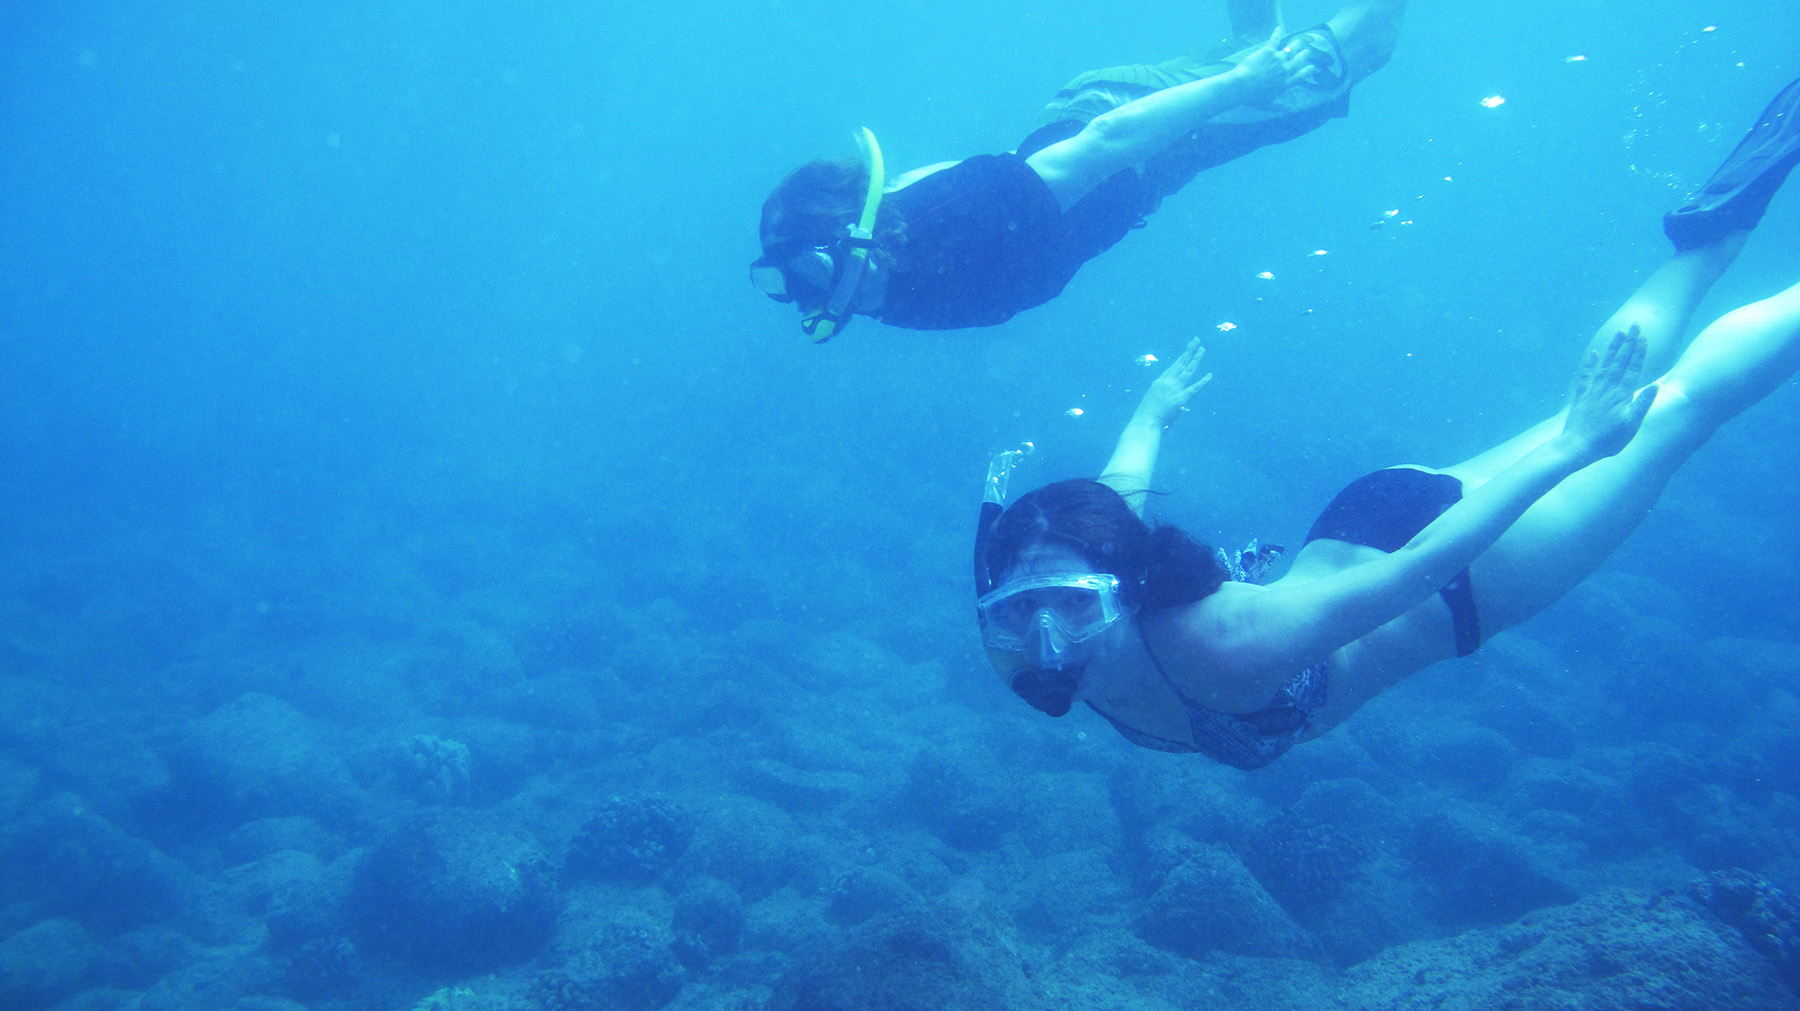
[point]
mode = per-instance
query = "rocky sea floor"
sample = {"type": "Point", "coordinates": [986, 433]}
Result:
{"type": "Point", "coordinates": [542, 797]}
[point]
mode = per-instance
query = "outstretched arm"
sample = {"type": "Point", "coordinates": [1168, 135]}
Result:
{"type": "Point", "coordinates": [1134, 459]}
{"type": "Point", "coordinates": [1135, 131]}
{"type": "Point", "coordinates": [1291, 626]}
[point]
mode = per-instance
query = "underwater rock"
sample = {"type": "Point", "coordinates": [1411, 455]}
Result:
{"type": "Point", "coordinates": [1675, 796]}
{"type": "Point", "coordinates": [1611, 950]}
{"type": "Point", "coordinates": [630, 839]}
{"type": "Point", "coordinates": [708, 918]}
{"type": "Point", "coordinates": [254, 840]}
{"type": "Point", "coordinates": [43, 963]}
{"type": "Point", "coordinates": [1476, 872]}
{"type": "Point", "coordinates": [923, 959]}
{"type": "Point", "coordinates": [257, 757]}
{"type": "Point", "coordinates": [866, 892]}
{"type": "Point", "coordinates": [1212, 903]}
{"type": "Point", "coordinates": [962, 798]}
{"type": "Point", "coordinates": [1517, 711]}
{"type": "Point", "coordinates": [79, 865]}
{"type": "Point", "coordinates": [323, 968]}
{"type": "Point", "coordinates": [140, 957]}
{"type": "Point", "coordinates": [746, 843]}
{"type": "Point", "coordinates": [1766, 917]}
{"type": "Point", "coordinates": [431, 769]}
{"type": "Point", "coordinates": [1467, 758]}
{"type": "Point", "coordinates": [456, 890]}
{"type": "Point", "coordinates": [629, 966]}
{"type": "Point", "coordinates": [1304, 864]}
{"type": "Point", "coordinates": [221, 978]}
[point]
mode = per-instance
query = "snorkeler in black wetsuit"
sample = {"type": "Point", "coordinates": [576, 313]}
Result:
{"type": "Point", "coordinates": [972, 243]}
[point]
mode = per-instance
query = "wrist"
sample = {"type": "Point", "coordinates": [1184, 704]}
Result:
{"type": "Point", "coordinates": [1569, 452]}
{"type": "Point", "coordinates": [1153, 421]}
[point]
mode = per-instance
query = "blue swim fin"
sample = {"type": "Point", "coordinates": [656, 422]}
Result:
{"type": "Point", "coordinates": [1736, 196]}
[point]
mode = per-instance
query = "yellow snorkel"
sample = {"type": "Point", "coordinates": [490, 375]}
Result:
{"type": "Point", "coordinates": [821, 323]}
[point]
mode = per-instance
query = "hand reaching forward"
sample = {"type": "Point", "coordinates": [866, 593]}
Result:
{"type": "Point", "coordinates": [1168, 395]}
{"type": "Point", "coordinates": [1607, 406]}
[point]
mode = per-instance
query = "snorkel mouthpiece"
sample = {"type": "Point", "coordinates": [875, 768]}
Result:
{"type": "Point", "coordinates": [1050, 692]}
{"type": "Point", "coordinates": [822, 323]}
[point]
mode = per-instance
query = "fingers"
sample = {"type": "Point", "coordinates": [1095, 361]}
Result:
{"type": "Point", "coordinates": [1624, 360]}
{"type": "Point", "coordinates": [1188, 360]}
{"type": "Point", "coordinates": [1202, 381]}
{"type": "Point", "coordinates": [1640, 347]}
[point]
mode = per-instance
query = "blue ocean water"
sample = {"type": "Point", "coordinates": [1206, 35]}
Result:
{"type": "Point", "coordinates": [399, 461]}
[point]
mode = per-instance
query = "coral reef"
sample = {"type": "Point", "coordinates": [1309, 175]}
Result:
{"type": "Point", "coordinates": [323, 967]}
{"type": "Point", "coordinates": [456, 889]}
{"type": "Point", "coordinates": [924, 959]}
{"type": "Point", "coordinates": [434, 770]}
{"type": "Point", "coordinates": [708, 918]}
{"type": "Point", "coordinates": [1303, 864]}
{"type": "Point", "coordinates": [628, 966]}
{"type": "Point", "coordinates": [1212, 903]}
{"type": "Point", "coordinates": [630, 839]}
{"type": "Point", "coordinates": [1767, 917]}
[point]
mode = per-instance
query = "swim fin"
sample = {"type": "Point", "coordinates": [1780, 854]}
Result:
{"type": "Point", "coordinates": [1736, 196]}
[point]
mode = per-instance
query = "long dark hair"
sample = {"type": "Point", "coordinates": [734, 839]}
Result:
{"type": "Point", "coordinates": [1158, 566]}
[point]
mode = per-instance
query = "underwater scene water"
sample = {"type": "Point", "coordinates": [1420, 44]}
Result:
{"type": "Point", "coordinates": [432, 577]}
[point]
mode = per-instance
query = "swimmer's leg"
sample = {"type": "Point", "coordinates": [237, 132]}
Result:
{"type": "Point", "coordinates": [1723, 213]}
{"type": "Point", "coordinates": [1565, 535]}
{"type": "Point", "coordinates": [1367, 33]}
{"type": "Point", "coordinates": [1661, 309]}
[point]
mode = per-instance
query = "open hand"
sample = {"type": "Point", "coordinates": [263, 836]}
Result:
{"type": "Point", "coordinates": [1168, 395]}
{"type": "Point", "coordinates": [1607, 407]}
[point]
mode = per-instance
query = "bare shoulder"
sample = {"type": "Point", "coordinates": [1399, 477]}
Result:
{"type": "Point", "coordinates": [1205, 645]}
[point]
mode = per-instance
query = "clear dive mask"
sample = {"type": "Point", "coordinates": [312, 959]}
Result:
{"type": "Point", "coordinates": [809, 270]}
{"type": "Point", "coordinates": [1050, 612]}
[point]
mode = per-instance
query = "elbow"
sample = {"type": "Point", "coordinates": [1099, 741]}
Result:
{"type": "Point", "coordinates": [1103, 132]}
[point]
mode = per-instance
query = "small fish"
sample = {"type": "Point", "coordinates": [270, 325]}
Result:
{"type": "Point", "coordinates": [1320, 252]}
{"type": "Point", "coordinates": [1267, 275]}
{"type": "Point", "coordinates": [1226, 327]}
{"type": "Point", "coordinates": [1145, 360]}
{"type": "Point", "coordinates": [1074, 412]}
{"type": "Point", "coordinates": [1493, 101]}
{"type": "Point", "coordinates": [1579, 58]}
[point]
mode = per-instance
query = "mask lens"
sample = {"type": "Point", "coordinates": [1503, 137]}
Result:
{"type": "Point", "coordinates": [1078, 607]}
{"type": "Point", "coordinates": [812, 268]}
{"type": "Point", "coordinates": [770, 281]}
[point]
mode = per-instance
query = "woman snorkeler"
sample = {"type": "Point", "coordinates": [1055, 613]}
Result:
{"type": "Point", "coordinates": [1080, 599]}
